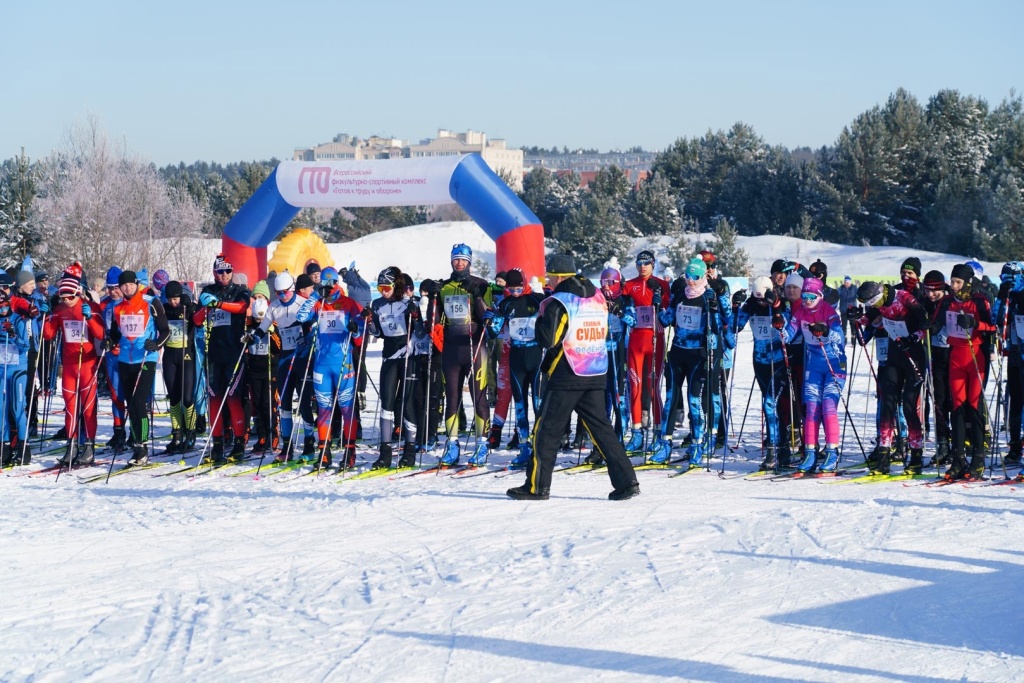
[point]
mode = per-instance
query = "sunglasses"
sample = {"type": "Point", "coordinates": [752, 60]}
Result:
{"type": "Point", "coordinates": [385, 288]}
{"type": "Point", "coordinates": [69, 298]}
{"type": "Point", "coordinates": [645, 262]}
{"type": "Point", "coordinates": [516, 290]}
{"type": "Point", "coordinates": [808, 296]}
{"type": "Point", "coordinates": [283, 292]}
{"type": "Point", "coordinates": [223, 271]}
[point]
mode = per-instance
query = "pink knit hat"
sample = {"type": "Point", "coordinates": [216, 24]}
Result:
{"type": "Point", "coordinates": [813, 285]}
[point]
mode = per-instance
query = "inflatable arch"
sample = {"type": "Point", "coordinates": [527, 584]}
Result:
{"type": "Point", "coordinates": [464, 180]}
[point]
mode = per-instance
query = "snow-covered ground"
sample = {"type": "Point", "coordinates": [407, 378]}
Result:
{"type": "Point", "coordinates": [427, 578]}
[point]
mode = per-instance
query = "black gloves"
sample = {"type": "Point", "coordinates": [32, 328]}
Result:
{"type": "Point", "coordinates": [718, 286]}
{"type": "Point", "coordinates": [150, 345]}
{"type": "Point", "coordinates": [656, 296]}
{"type": "Point", "coordinates": [854, 311]}
{"type": "Point", "coordinates": [965, 320]}
{"type": "Point", "coordinates": [818, 329]}
{"type": "Point", "coordinates": [353, 327]}
{"type": "Point", "coordinates": [771, 296]}
{"type": "Point", "coordinates": [778, 322]}
{"type": "Point", "coordinates": [738, 298]}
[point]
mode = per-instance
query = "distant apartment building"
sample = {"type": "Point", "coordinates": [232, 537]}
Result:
{"type": "Point", "coordinates": [637, 165]}
{"type": "Point", "coordinates": [506, 162]}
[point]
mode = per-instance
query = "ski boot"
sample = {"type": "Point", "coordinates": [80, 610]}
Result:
{"type": "Point", "coordinates": [118, 439]}
{"type": "Point", "coordinates": [916, 463]}
{"type": "Point", "coordinates": [237, 453]}
{"type": "Point", "coordinates": [383, 461]}
{"type": "Point", "coordinates": [513, 442]}
{"type": "Point", "coordinates": [261, 446]}
{"type": "Point", "coordinates": [810, 458]}
{"type": "Point", "coordinates": [61, 434]}
{"type": "Point", "coordinates": [494, 438]}
{"type": "Point", "coordinates": [323, 451]}
{"type": "Point", "coordinates": [200, 424]}
{"type": "Point", "coordinates": [831, 459]}
{"type": "Point", "coordinates": [882, 465]}
{"type": "Point", "coordinates": [525, 493]}
{"type": "Point", "coordinates": [941, 456]}
{"type": "Point", "coordinates": [87, 456]}
{"type": "Point", "coordinates": [1014, 456]}
{"type": "Point", "coordinates": [636, 442]}
{"type": "Point", "coordinates": [769, 462]}
{"type": "Point", "coordinates": [579, 441]}
{"type": "Point", "coordinates": [661, 453]}
{"type": "Point", "coordinates": [216, 454]}
{"type": "Point", "coordinates": [285, 454]}
{"type": "Point", "coordinates": [408, 458]}
{"type": "Point", "coordinates": [350, 456]}
{"type": "Point", "coordinates": [69, 455]}
{"type": "Point", "coordinates": [450, 457]}
{"type": "Point", "coordinates": [139, 457]}
{"type": "Point", "coordinates": [873, 456]}
{"type": "Point", "coordinates": [21, 452]}
{"type": "Point", "coordinates": [525, 452]}
{"type": "Point", "coordinates": [696, 455]}
{"type": "Point", "coordinates": [899, 453]}
{"type": "Point", "coordinates": [308, 449]}
{"type": "Point", "coordinates": [479, 457]}
{"type": "Point", "coordinates": [563, 445]}
{"type": "Point", "coordinates": [957, 469]}
{"type": "Point", "coordinates": [594, 459]}
{"type": "Point", "coordinates": [976, 470]}
{"type": "Point", "coordinates": [175, 446]}
{"type": "Point", "coordinates": [785, 456]}
{"type": "Point", "coordinates": [6, 455]}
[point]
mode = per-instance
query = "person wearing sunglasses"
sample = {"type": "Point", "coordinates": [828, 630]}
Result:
{"type": "Point", "coordinates": [463, 299]}
{"type": "Point", "coordinates": [824, 371]}
{"type": "Point", "coordinates": [14, 346]}
{"type": "Point", "coordinates": [222, 309]}
{"type": "Point", "coordinates": [703, 329]}
{"type": "Point", "coordinates": [81, 326]}
{"type": "Point", "coordinates": [337, 321]}
{"type": "Point", "coordinates": [901, 379]}
{"type": "Point", "coordinates": [139, 330]}
{"type": "Point", "coordinates": [293, 363]}
{"type": "Point", "coordinates": [646, 352]}
{"type": "Point", "coordinates": [516, 316]}
{"type": "Point", "coordinates": [107, 304]}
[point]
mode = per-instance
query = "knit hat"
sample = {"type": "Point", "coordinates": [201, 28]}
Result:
{"type": "Point", "coordinates": [161, 278]}
{"type": "Point", "coordinates": [69, 286]}
{"type": "Point", "coordinates": [312, 268]}
{"type": "Point", "coordinates": [514, 278]}
{"type": "Point", "coordinates": [561, 264]}
{"type": "Point", "coordinates": [934, 280]}
{"type": "Point", "coordinates": [761, 285]}
{"type": "Point", "coordinates": [708, 257]}
{"type": "Point", "coordinates": [173, 289]}
{"type": "Point", "coordinates": [41, 275]}
{"type": "Point", "coordinates": [461, 251]}
{"type": "Point", "coordinates": [794, 278]}
{"type": "Point", "coordinates": [112, 276]}
{"type": "Point", "coordinates": [126, 277]}
{"type": "Point", "coordinates": [303, 281]}
{"type": "Point", "coordinates": [221, 263]}
{"type": "Point", "coordinates": [645, 257]}
{"type": "Point", "coordinates": [962, 271]}
{"type": "Point", "coordinates": [870, 293]}
{"type": "Point", "coordinates": [23, 278]}
{"type": "Point", "coordinates": [819, 269]}
{"type": "Point", "coordinates": [284, 281]}
{"type": "Point", "coordinates": [812, 285]}
{"type": "Point", "coordinates": [388, 276]}
{"type": "Point", "coordinates": [778, 266]}
{"type": "Point", "coordinates": [74, 270]}
{"type": "Point", "coordinates": [847, 279]}
{"type": "Point", "coordinates": [696, 268]}
{"type": "Point", "coordinates": [913, 263]}
{"type": "Point", "coordinates": [261, 289]}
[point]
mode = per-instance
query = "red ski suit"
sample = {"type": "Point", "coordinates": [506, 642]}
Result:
{"type": "Point", "coordinates": [646, 347]}
{"type": "Point", "coordinates": [78, 360]}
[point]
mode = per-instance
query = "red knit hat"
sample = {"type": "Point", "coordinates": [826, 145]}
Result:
{"type": "Point", "coordinates": [69, 286]}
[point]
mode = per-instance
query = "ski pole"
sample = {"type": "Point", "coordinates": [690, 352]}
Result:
{"type": "Point", "coordinates": [846, 406]}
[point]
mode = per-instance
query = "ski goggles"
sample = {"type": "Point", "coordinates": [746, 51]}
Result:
{"type": "Point", "coordinates": [809, 296]}
{"type": "Point", "coordinates": [385, 289]}
{"type": "Point", "coordinates": [611, 282]}
{"type": "Point", "coordinates": [515, 291]}
{"type": "Point", "coordinates": [223, 271]}
{"type": "Point", "coordinates": [72, 297]}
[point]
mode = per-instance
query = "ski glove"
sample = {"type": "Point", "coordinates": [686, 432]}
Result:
{"type": "Point", "coordinates": [108, 344]}
{"type": "Point", "coordinates": [718, 286]}
{"type": "Point", "coordinates": [248, 338]}
{"type": "Point", "coordinates": [965, 320]}
{"type": "Point", "coordinates": [7, 327]}
{"type": "Point", "coordinates": [818, 329]}
{"type": "Point", "coordinates": [778, 322]}
{"type": "Point", "coordinates": [772, 297]}
{"type": "Point", "coordinates": [150, 345]}
{"type": "Point", "coordinates": [629, 317]}
{"type": "Point", "coordinates": [86, 311]}
{"type": "Point", "coordinates": [209, 300]}
{"type": "Point", "coordinates": [44, 307]}
{"type": "Point", "coordinates": [656, 297]}
{"type": "Point", "coordinates": [353, 327]}
{"type": "Point", "coordinates": [738, 298]}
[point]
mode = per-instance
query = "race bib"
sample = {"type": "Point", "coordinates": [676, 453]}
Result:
{"type": "Point", "coordinates": [761, 327]}
{"type": "Point", "coordinates": [897, 329]}
{"type": "Point", "coordinates": [392, 321]}
{"type": "Point", "coordinates": [290, 337]}
{"type": "Point", "coordinates": [131, 325]}
{"type": "Point", "coordinates": [219, 318]}
{"type": "Point", "coordinates": [522, 329]}
{"type": "Point", "coordinates": [1018, 325]}
{"type": "Point", "coordinates": [456, 308]}
{"type": "Point", "coordinates": [421, 344]}
{"type": "Point", "coordinates": [645, 317]}
{"type": "Point", "coordinates": [809, 336]}
{"type": "Point", "coordinates": [9, 354]}
{"type": "Point", "coordinates": [952, 329]}
{"type": "Point", "coordinates": [881, 349]}
{"type": "Point", "coordinates": [177, 338]}
{"type": "Point", "coordinates": [260, 346]}
{"type": "Point", "coordinates": [331, 322]}
{"type": "Point", "coordinates": [688, 317]}
{"type": "Point", "coordinates": [74, 331]}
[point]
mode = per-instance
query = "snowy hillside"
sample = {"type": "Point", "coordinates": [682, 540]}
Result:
{"type": "Point", "coordinates": [430, 578]}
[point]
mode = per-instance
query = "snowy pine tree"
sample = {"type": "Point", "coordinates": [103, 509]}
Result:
{"type": "Point", "coordinates": [19, 230]}
{"type": "Point", "coordinates": [652, 208]}
{"type": "Point", "coordinates": [593, 232]}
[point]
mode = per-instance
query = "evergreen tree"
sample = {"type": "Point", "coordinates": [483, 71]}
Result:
{"type": "Point", "coordinates": [19, 229]}
{"type": "Point", "coordinates": [652, 207]}
{"type": "Point", "coordinates": [593, 232]}
{"type": "Point", "coordinates": [732, 261]}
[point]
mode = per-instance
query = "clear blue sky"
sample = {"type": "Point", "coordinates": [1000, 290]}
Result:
{"type": "Point", "coordinates": [231, 81]}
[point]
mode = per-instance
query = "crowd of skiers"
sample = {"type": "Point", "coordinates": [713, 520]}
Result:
{"type": "Point", "coordinates": [259, 363]}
